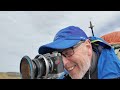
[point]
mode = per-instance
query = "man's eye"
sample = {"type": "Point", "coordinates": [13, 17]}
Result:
{"type": "Point", "coordinates": [67, 52]}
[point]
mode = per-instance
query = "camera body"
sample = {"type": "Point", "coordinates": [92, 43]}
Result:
{"type": "Point", "coordinates": [46, 66]}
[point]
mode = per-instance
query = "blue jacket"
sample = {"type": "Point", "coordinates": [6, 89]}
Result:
{"type": "Point", "coordinates": [108, 63]}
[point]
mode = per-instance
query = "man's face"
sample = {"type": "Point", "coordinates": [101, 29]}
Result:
{"type": "Point", "coordinates": [78, 62]}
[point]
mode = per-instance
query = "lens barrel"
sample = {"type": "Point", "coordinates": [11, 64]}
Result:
{"type": "Point", "coordinates": [42, 66]}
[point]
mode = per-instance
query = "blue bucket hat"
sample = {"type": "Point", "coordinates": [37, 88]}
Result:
{"type": "Point", "coordinates": [65, 38]}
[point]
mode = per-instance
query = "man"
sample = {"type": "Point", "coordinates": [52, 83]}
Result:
{"type": "Point", "coordinates": [84, 57]}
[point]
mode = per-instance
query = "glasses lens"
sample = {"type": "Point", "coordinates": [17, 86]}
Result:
{"type": "Point", "coordinates": [68, 52]}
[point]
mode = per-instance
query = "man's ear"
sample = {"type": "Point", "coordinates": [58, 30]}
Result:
{"type": "Point", "coordinates": [87, 42]}
{"type": "Point", "coordinates": [89, 47]}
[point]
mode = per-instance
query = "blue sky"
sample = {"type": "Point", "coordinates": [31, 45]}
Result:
{"type": "Point", "coordinates": [22, 32]}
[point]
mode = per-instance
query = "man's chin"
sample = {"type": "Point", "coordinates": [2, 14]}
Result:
{"type": "Point", "coordinates": [74, 76]}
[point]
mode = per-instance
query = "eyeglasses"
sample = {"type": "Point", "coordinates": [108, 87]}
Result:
{"type": "Point", "coordinates": [70, 51]}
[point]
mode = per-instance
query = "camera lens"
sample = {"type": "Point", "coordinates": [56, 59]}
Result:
{"type": "Point", "coordinates": [41, 67]}
{"type": "Point", "coordinates": [25, 68]}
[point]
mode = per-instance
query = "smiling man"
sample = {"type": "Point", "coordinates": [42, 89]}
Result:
{"type": "Point", "coordinates": [84, 57]}
{"type": "Point", "coordinates": [77, 59]}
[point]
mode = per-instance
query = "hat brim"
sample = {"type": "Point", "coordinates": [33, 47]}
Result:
{"type": "Point", "coordinates": [58, 44]}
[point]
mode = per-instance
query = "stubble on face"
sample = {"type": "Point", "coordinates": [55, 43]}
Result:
{"type": "Point", "coordinates": [80, 69]}
{"type": "Point", "coordinates": [82, 62]}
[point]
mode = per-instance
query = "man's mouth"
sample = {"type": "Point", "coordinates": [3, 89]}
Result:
{"type": "Point", "coordinates": [71, 68]}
